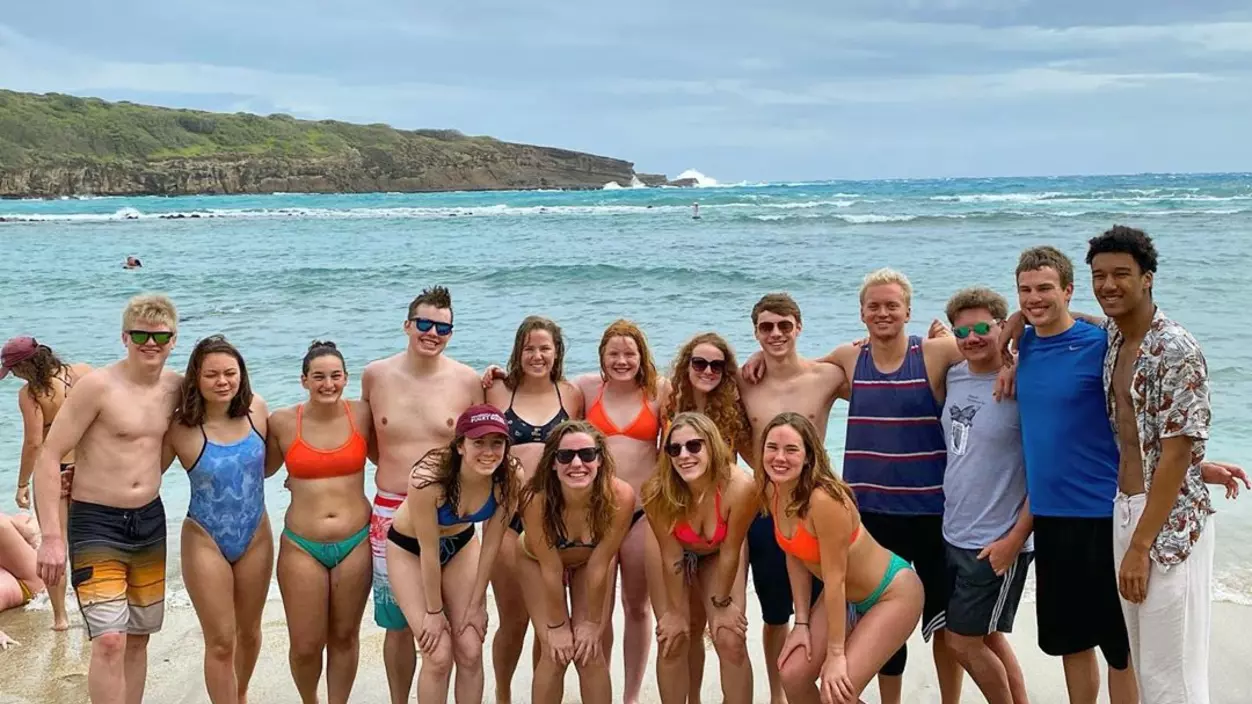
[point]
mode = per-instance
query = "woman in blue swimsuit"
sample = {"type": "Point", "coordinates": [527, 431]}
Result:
{"type": "Point", "coordinates": [534, 398]}
{"type": "Point", "coordinates": [218, 435]}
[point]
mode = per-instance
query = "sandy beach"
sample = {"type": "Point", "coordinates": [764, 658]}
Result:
{"type": "Point", "coordinates": [51, 668]}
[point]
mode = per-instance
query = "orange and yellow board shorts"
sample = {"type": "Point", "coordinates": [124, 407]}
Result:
{"type": "Point", "coordinates": [117, 566]}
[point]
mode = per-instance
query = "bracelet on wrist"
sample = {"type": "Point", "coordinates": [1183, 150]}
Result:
{"type": "Point", "coordinates": [720, 603]}
{"type": "Point", "coordinates": [802, 623]}
{"type": "Point", "coordinates": [436, 611]}
{"type": "Point", "coordinates": [557, 625]}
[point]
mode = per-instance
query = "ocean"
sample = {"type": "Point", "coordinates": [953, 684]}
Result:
{"type": "Point", "coordinates": [274, 272]}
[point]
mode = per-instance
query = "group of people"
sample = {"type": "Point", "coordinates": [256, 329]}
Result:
{"type": "Point", "coordinates": [996, 441]}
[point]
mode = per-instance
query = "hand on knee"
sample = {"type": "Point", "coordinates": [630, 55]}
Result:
{"type": "Point", "coordinates": [467, 651]}
{"type": "Point", "coordinates": [730, 646]}
{"type": "Point", "coordinates": [798, 675]}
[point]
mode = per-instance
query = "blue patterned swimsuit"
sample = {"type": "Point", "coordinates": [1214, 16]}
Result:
{"type": "Point", "coordinates": [228, 492]}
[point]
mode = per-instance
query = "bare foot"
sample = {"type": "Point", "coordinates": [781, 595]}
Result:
{"type": "Point", "coordinates": [61, 624]}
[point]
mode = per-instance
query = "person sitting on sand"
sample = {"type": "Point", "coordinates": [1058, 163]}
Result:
{"type": "Point", "coordinates": [227, 553]}
{"type": "Point", "coordinates": [817, 524]}
{"type": "Point", "coordinates": [323, 557]}
{"type": "Point", "coordinates": [19, 578]}
{"type": "Point", "coordinates": [439, 573]}
{"type": "Point", "coordinates": [699, 505]}
{"type": "Point", "coordinates": [48, 382]}
{"type": "Point", "coordinates": [576, 514]}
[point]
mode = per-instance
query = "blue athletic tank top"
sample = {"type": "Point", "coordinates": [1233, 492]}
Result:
{"type": "Point", "coordinates": [895, 450]}
{"type": "Point", "coordinates": [228, 492]}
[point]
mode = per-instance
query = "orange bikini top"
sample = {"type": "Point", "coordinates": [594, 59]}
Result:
{"type": "Point", "coordinates": [685, 534]}
{"type": "Point", "coordinates": [644, 428]}
{"type": "Point", "coordinates": [307, 462]}
{"type": "Point", "coordinates": [802, 545]}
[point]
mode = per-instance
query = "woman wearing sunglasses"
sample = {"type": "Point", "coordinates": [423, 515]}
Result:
{"type": "Point", "coordinates": [699, 506]}
{"type": "Point", "coordinates": [48, 383]}
{"type": "Point", "coordinates": [437, 569]}
{"type": "Point", "coordinates": [817, 525]}
{"type": "Point", "coordinates": [535, 398]}
{"type": "Point", "coordinates": [323, 558]}
{"type": "Point", "coordinates": [218, 435]}
{"type": "Point", "coordinates": [575, 516]}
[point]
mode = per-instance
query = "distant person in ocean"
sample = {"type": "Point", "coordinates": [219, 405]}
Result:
{"type": "Point", "coordinates": [414, 398]}
{"type": "Point", "coordinates": [439, 571]}
{"type": "Point", "coordinates": [132, 263]}
{"type": "Point", "coordinates": [575, 515]}
{"type": "Point", "coordinates": [534, 386]}
{"type": "Point", "coordinates": [323, 556]}
{"type": "Point", "coordinates": [48, 383]}
{"type": "Point", "coordinates": [227, 553]}
{"type": "Point", "coordinates": [117, 418]}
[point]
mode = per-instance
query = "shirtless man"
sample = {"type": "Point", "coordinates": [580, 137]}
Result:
{"type": "Point", "coordinates": [789, 384]}
{"type": "Point", "coordinates": [415, 397]}
{"type": "Point", "coordinates": [900, 498]}
{"type": "Point", "coordinates": [115, 420]}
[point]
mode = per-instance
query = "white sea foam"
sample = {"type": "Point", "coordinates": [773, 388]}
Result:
{"type": "Point", "coordinates": [701, 180]}
{"type": "Point", "coordinates": [611, 186]}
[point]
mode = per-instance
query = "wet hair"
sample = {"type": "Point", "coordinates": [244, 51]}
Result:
{"type": "Point", "coordinates": [39, 371]}
{"type": "Point", "coordinates": [529, 325]}
{"type": "Point", "coordinates": [778, 304]}
{"type": "Point", "coordinates": [1125, 240]}
{"type": "Point", "coordinates": [602, 506]}
{"type": "Point", "coordinates": [151, 307]}
{"type": "Point", "coordinates": [816, 473]}
{"type": "Point", "coordinates": [883, 277]}
{"type": "Point", "coordinates": [442, 466]}
{"type": "Point", "coordinates": [321, 348]}
{"type": "Point", "coordinates": [437, 296]}
{"type": "Point", "coordinates": [190, 411]}
{"type": "Point", "coordinates": [978, 297]}
{"type": "Point", "coordinates": [665, 494]}
{"type": "Point", "coordinates": [1037, 258]}
{"type": "Point", "coordinates": [646, 375]}
{"type": "Point", "coordinates": [722, 406]}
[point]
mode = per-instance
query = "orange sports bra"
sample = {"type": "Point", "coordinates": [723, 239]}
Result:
{"type": "Point", "coordinates": [802, 545]}
{"type": "Point", "coordinates": [644, 428]}
{"type": "Point", "coordinates": [685, 534]}
{"type": "Point", "coordinates": [307, 462]}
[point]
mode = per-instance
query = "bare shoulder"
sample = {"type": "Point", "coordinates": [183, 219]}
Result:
{"type": "Point", "coordinates": [283, 418]}
{"type": "Point", "coordinates": [259, 408]}
{"type": "Point", "coordinates": [663, 389]}
{"type": "Point", "coordinates": [942, 348]}
{"type": "Point", "coordinates": [741, 484]}
{"type": "Point", "coordinates": [827, 510]}
{"type": "Point", "coordinates": [463, 373]}
{"type": "Point", "coordinates": [498, 395]}
{"type": "Point", "coordinates": [570, 390]}
{"type": "Point", "coordinates": [588, 383]}
{"type": "Point", "coordinates": [360, 413]}
{"type": "Point", "coordinates": [624, 494]}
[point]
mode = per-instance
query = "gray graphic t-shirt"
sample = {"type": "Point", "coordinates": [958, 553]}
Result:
{"type": "Point", "coordinates": [984, 486]}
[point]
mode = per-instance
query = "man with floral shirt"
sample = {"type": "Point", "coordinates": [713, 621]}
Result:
{"type": "Point", "coordinates": [1156, 391]}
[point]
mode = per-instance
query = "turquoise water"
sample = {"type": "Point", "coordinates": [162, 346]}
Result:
{"type": "Point", "coordinates": [274, 272]}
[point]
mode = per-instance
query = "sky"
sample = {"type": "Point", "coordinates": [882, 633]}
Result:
{"type": "Point", "coordinates": [741, 91]}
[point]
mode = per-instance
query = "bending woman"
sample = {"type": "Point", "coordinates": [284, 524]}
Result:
{"type": "Point", "coordinates": [534, 387]}
{"type": "Point", "coordinates": [438, 572]}
{"type": "Point", "coordinates": [699, 505]}
{"type": "Point", "coordinates": [48, 383]}
{"type": "Point", "coordinates": [576, 515]}
{"type": "Point", "coordinates": [218, 434]}
{"type": "Point", "coordinates": [324, 569]}
{"type": "Point", "coordinates": [817, 524]}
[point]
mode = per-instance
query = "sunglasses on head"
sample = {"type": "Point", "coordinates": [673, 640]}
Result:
{"type": "Point", "coordinates": [586, 454]}
{"type": "Point", "coordinates": [767, 326]}
{"type": "Point", "coordinates": [700, 364]}
{"type": "Point", "coordinates": [693, 446]}
{"type": "Point", "coordinates": [964, 331]}
{"type": "Point", "coordinates": [425, 324]}
{"type": "Point", "coordinates": [141, 337]}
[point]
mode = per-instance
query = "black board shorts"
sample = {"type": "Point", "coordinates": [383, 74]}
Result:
{"type": "Point", "coordinates": [981, 602]}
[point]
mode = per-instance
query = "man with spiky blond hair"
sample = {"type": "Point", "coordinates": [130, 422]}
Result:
{"type": "Point", "coordinates": [115, 419]}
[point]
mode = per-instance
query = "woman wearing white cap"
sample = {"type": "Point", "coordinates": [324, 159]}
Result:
{"type": "Point", "coordinates": [438, 570]}
{"type": "Point", "coordinates": [48, 383]}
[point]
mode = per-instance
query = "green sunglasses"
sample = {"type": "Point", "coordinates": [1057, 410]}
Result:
{"type": "Point", "coordinates": [141, 337]}
{"type": "Point", "coordinates": [964, 331]}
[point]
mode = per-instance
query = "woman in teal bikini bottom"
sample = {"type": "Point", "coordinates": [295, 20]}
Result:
{"type": "Point", "coordinates": [817, 525]}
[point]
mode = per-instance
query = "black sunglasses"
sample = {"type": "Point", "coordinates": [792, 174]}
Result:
{"type": "Point", "coordinates": [766, 327]}
{"type": "Point", "coordinates": [700, 364]}
{"type": "Point", "coordinates": [141, 337]}
{"type": "Point", "coordinates": [586, 454]}
{"type": "Point", "coordinates": [425, 324]}
{"type": "Point", "coordinates": [693, 446]}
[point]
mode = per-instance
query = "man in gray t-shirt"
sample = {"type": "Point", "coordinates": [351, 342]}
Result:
{"type": "Point", "coordinates": [986, 518]}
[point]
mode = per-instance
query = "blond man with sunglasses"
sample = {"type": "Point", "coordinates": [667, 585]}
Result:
{"type": "Point", "coordinates": [115, 420]}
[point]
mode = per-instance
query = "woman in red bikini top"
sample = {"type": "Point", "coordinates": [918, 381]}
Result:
{"type": "Point", "coordinates": [699, 506]}
{"type": "Point", "coordinates": [817, 525]}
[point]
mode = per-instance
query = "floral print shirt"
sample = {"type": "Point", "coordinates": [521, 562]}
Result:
{"type": "Point", "coordinates": [1170, 394]}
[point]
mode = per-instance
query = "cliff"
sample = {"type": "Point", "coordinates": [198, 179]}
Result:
{"type": "Point", "coordinates": [58, 145]}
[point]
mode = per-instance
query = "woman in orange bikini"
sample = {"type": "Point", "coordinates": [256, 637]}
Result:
{"type": "Point", "coordinates": [627, 396]}
{"type": "Point", "coordinates": [48, 383]}
{"type": "Point", "coordinates": [699, 506]}
{"type": "Point", "coordinates": [324, 568]}
{"type": "Point", "coordinates": [817, 525]}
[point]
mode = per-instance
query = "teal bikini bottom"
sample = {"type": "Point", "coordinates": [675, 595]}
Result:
{"type": "Point", "coordinates": [896, 564]}
{"type": "Point", "coordinates": [329, 554]}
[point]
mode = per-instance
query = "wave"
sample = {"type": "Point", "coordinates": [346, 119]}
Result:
{"type": "Point", "coordinates": [701, 180]}
{"type": "Point", "coordinates": [982, 216]}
